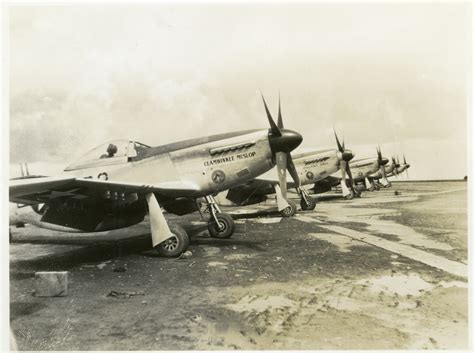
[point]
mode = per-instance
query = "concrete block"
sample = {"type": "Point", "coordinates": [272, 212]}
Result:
{"type": "Point", "coordinates": [51, 284]}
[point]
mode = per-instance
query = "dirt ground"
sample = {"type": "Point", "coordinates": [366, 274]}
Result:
{"type": "Point", "coordinates": [276, 284]}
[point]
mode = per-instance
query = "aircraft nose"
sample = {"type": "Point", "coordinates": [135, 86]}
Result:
{"type": "Point", "coordinates": [397, 165]}
{"type": "Point", "coordinates": [384, 161]}
{"type": "Point", "coordinates": [287, 142]}
{"type": "Point", "coordinates": [347, 155]}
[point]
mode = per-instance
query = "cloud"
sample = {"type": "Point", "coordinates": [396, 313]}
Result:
{"type": "Point", "coordinates": [380, 74]}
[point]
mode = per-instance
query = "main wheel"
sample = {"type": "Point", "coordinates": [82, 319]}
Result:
{"type": "Point", "coordinates": [308, 206]}
{"type": "Point", "coordinates": [290, 210]}
{"type": "Point", "coordinates": [175, 245]}
{"type": "Point", "coordinates": [377, 188]}
{"type": "Point", "coordinates": [223, 228]}
{"type": "Point", "coordinates": [350, 196]}
{"type": "Point", "coordinates": [356, 192]}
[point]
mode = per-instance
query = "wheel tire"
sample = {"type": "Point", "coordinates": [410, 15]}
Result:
{"type": "Point", "coordinates": [377, 188]}
{"type": "Point", "coordinates": [290, 211]}
{"type": "Point", "coordinates": [308, 206]}
{"type": "Point", "coordinates": [227, 223]}
{"type": "Point", "coordinates": [350, 196]}
{"type": "Point", "coordinates": [176, 245]}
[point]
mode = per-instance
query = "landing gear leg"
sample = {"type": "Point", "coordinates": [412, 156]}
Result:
{"type": "Point", "coordinates": [220, 225]}
{"type": "Point", "coordinates": [307, 202]}
{"type": "Point", "coordinates": [369, 184]}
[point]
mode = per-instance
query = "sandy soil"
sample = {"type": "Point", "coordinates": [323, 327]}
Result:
{"type": "Point", "coordinates": [276, 284]}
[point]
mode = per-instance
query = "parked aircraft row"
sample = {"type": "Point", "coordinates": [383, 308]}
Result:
{"type": "Point", "coordinates": [117, 183]}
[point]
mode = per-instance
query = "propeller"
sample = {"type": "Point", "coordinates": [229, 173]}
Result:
{"type": "Point", "coordinates": [344, 157]}
{"type": "Point", "coordinates": [381, 163]}
{"type": "Point", "coordinates": [406, 165]}
{"type": "Point", "coordinates": [282, 142]}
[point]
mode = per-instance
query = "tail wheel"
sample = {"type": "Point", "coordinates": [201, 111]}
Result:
{"type": "Point", "coordinates": [290, 210]}
{"type": "Point", "coordinates": [223, 228]}
{"type": "Point", "coordinates": [309, 204]}
{"type": "Point", "coordinates": [175, 245]}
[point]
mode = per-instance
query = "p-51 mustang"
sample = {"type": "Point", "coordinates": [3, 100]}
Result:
{"type": "Point", "coordinates": [389, 171]}
{"type": "Point", "coordinates": [361, 170]}
{"type": "Point", "coordinates": [116, 184]}
{"type": "Point", "coordinates": [310, 167]}
{"type": "Point", "coordinates": [401, 167]}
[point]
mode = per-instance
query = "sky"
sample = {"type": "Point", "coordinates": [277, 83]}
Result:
{"type": "Point", "coordinates": [394, 75]}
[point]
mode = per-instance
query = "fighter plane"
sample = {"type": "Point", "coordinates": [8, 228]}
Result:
{"type": "Point", "coordinates": [390, 170]}
{"type": "Point", "coordinates": [361, 169]}
{"type": "Point", "coordinates": [310, 167]}
{"type": "Point", "coordinates": [117, 183]}
{"type": "Point", "coordinates": [401, 168]}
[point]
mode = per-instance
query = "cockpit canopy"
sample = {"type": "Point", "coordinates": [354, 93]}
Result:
{"type": "Point", "coordinates": [110, 153]}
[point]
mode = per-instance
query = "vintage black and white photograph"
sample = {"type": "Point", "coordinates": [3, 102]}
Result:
{"type": "Point", "coordinates": [235, 175]}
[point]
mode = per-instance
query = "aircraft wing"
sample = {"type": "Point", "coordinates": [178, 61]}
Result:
{"type": "Point", "coordinates": [43, 189]}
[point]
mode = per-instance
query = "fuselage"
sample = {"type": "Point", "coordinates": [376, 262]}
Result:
{"type": "Point", "coordinates": [363, 167]}
{"type": "Point", "coordinates": [388, 169]}
{"type": "Point", "coordinates": [315, 166]}
{"type": "Point", "coordinates": [311, 166]}
{"type": "Point", "coordinates": [213, 163]}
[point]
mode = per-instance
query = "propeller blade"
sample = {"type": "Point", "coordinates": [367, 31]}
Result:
{"type": "Point", "coordinates": [351, 180]}
{"type": "Point", "coordinates": [21, 168]}
{"type": "Point", "coordinates": [349, 173]}
{"type": "Point", "coordinates": [293, 172]}
{"type": "Point", "coordinates": [404, 159]}
{"type": "Point", "coordinates": [379, 154]}
{"type": "Point", "coordinates": [27, 171]}
{"type": "Point", "coordinates": [339, 146]}
{"type": "Point", "coordinates": [281, 162]}
{"type": "Point", "coordinates": [281, 192]}
{"type": "Point", "coordinates": [274, 128]}
{"type": "Point", "coordinates": [280, 119]}
{"type": "Point", "coordinates": [343, 167]}
{"type": "Point", "coordinates": [160, 230]}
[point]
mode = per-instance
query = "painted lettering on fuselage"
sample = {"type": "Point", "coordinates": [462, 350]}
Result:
{"type": "Point", "coordinates": [229, 159]}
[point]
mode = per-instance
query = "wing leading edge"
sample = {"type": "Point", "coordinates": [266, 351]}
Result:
{"type": "Point", "coordinates": [39, 190]}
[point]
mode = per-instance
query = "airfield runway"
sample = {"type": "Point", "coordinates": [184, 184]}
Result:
{"type": "Point", "coordinates": [384, 271]}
